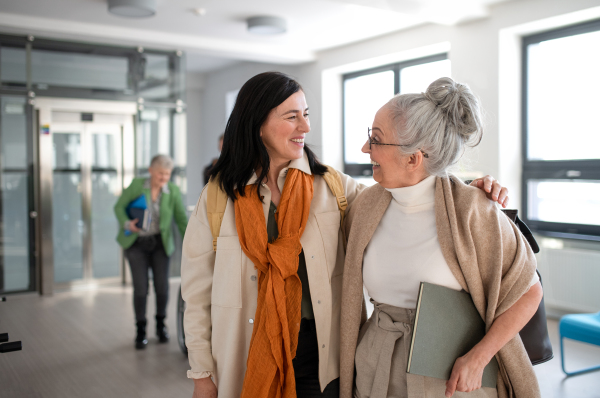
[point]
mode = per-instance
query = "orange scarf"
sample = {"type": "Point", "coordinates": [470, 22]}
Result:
{"type": "Point", "coordinates": [270, 372]}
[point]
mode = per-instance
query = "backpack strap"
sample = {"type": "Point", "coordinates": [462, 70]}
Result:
{"type": "Point", "coordinates": [216, 202]}
{"type": "Point", "coordinates": [334, 182]}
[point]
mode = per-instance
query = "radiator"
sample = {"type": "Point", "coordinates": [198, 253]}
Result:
{"type": "Point", "coordinates": [571, 279]}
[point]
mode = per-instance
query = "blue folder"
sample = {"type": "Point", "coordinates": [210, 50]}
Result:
{"type": "Point", "coordinates": [138, 208]}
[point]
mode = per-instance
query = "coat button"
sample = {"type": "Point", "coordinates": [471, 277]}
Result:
{"type": "Point", "coordinates": [318, 301]}
{"type": "Point", "coordinates": [250, 320]}
{"type": "Point", "coordinates": [312, 256]}
{"type": "Point", "coordinates": [323, 346]}
{"type": "Point", "coordinates": [253, 278]}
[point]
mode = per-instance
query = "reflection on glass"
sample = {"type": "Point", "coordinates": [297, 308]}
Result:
{"type": "Point", "coordinates": [15, 223]}
{"type": "Point", "coordinates": [13, 71]}
{"type": "Point", "coordinates": [67, 151]}
{"type": "Point", "coordinates": [62, 69]}
{"type": "Point", "coordinates": [14, 133]}
{"type": "Point", "coordinates": [67, 226]}
{"type": "Point", "coordinates": [155, 83]}
{"type": "Point", "coordinates": [568, 201]}
{"type": "Point", "coordinates": [153, 136]}
{"type": "Point", "coordinates": [105, 249]}
{"type": "Point", "coordinates": [14, 238]}
{"type": "Point", "coordinates": [416, 79]}
{"type": "Point", "coordinates": [104, 150]}
{"type": "Point", "coordinates": [363, 96]}
{"type": "Point", "coordinates": [562, 98]}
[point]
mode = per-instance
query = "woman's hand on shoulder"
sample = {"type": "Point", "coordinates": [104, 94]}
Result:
{"type": "Point", "coordinates": [204, 388]}
{"type": "Point", "coordinates": [467, 373]}
{"type": "Point", "coordinates": [493, 190]}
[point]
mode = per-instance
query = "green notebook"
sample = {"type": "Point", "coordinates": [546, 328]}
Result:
{"type": "Point", "coordinates": [447, 326]}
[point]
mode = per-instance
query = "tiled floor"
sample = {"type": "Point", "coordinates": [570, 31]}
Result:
{"type": "Point", "coordinates": [80, 344]}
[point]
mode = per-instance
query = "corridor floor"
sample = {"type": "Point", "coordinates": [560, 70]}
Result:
{"type": "Point", "coordinates": [80, 344]}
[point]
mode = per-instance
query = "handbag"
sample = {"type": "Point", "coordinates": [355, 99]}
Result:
{"type": "Point", "coordinates": [535, 333]}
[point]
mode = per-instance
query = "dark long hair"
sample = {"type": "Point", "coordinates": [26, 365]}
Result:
{"type": "Point", "coordinates": [243, 149]}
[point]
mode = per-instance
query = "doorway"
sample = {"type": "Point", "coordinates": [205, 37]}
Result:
{"type": "Point", "coordinates": [86, 157]}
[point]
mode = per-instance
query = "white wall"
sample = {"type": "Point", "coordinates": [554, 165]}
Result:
{"type": "Point", "coordinates": [474, 50]}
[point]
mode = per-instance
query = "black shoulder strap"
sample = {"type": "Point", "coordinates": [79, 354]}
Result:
{"type": "Point", "coordinates": [513, 215]}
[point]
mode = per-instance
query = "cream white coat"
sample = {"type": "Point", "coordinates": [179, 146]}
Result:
{"type": "Point", "coordinates": [220, 289]}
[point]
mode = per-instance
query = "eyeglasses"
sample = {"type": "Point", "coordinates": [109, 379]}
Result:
{"type": "Point", "coordinates": [372, 142]}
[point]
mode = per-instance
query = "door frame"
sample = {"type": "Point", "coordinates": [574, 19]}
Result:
{"type": "Point", "coordinates": [45, 107]}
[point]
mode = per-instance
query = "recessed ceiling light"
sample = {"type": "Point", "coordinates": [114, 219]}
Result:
{"type": "Point", "coordinates": [265, 25]}
{"type": "Point", "coordinates": [132, 8]}
{"type": "Point", "coordinates": [199, 12]}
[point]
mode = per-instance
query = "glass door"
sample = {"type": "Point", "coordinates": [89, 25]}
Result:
{"type": "Point", "coordinates": [105, 191]}
{"type": "Point", "coordinates": [17, 217]}
{"type": "Point", "coordinates": [87, 166]}
{"type": "Point", "coordinates": [67, 203]}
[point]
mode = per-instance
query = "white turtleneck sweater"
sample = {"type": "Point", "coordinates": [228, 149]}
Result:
{"type": "Point", "coordinates": [404, 250]}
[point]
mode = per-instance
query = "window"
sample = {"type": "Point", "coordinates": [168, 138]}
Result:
{"type": "Point", "coordinates": [561, 140]}
{"type": "Point", "coordinates": [366, 91]}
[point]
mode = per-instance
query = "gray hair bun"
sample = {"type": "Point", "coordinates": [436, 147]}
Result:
{"type": "Point", "coordinates": [460, 107]}
{"type": "Point", "coordinates": [439, 122]}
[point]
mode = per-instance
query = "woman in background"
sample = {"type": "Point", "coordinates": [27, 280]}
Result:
{"type": "Point", "coordinates": [151, 248]}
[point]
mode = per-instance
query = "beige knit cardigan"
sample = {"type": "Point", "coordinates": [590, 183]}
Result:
{"type": "Point", "coordinates": [485, 251]}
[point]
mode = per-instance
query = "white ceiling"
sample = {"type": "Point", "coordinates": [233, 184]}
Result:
{"type": "Point", "coordinates": [219, 38]}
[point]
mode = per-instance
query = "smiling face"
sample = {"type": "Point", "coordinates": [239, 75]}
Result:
{"type": "Point", "coordinates": [285, 128]}
{"type": "Point", "coordinates": [159, 176]}
{"type": "Point", "coordinates": [391, 169]}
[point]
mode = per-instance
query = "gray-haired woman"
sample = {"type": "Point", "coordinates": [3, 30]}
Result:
{"type": "Point", "coordinates": [422, 224]}
{"type": "Point", "coordinates": [151, 248]}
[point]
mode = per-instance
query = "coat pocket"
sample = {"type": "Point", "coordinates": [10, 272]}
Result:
{"type": "Point", "coordinates": [329, 227]}
{"type": "Point", "coordinates": [227, 276]}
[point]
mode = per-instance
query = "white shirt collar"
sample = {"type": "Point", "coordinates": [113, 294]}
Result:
{"type": "Point", "coordinates": [415, 195]}
{"type": "Point", "coordinates": [300, 164]}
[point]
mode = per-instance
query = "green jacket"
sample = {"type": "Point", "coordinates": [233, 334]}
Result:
{"type": "Point", "coordinates": [170, 206]}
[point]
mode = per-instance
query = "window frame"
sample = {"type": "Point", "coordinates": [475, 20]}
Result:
{"type": "Point", "coordinates": [366, 169]}
{"type": "Point", "coordinates": [554, 170]}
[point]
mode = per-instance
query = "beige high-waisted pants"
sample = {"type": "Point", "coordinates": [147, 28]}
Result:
{"type": "Point", "coordinates": [382, 357]}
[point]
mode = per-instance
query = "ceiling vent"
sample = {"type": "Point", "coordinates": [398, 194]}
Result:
{"type": "Point", "coordinates": [265, 25]}
{"type": "Point", "coordinates": [132, 8]}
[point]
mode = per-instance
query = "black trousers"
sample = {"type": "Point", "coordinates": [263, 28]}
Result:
{"type": "Point", "coordinates": [148, 253]}
{"type": "Point", "coordinates": [306, 365]}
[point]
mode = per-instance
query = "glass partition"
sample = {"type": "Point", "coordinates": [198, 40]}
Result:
{"type": "Point", "coordinates": [13, 66]}
{"type": "Point", "coordinates": [15, 261]}
{"type": "Point", "coordinates": [68, 224]}
{"type": "Point", "coordinates": [67, 69]}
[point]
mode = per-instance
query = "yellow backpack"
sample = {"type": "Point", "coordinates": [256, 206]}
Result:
{"type": "Point", "coordinates": [216, 202]}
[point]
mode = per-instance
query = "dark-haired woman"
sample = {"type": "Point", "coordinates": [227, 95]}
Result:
{"type": "Point", "coordinates": [263, 311]}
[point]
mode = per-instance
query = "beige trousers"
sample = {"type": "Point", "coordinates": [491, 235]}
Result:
{"type": "Point", "coordinates": [382, 356]}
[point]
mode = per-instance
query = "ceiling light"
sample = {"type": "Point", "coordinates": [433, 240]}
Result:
{"type": "Point", "coordinates": [199, 12]}
{"type": "Point", "coordinates": [266, 25]}
{"type": "Point", "coordinates": [132, 8]}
